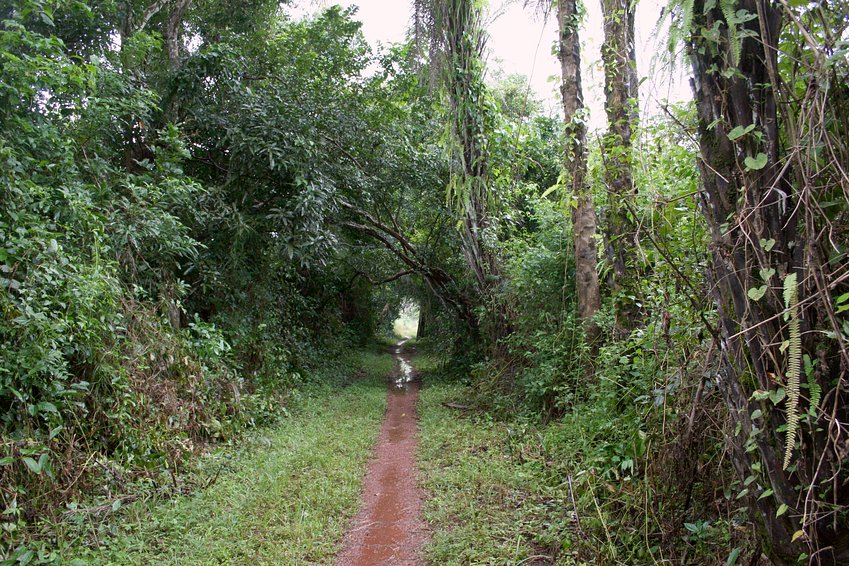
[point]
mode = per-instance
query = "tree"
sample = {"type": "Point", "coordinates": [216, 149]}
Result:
{"type": "Point", "coordinates": [457, 39]}
{"type": "Point", "coordinates": [768, 194]}
{"type": "Point", "coordinates": [462, 35]}
{"type": "Point", "coordinates": [621, 86]}
{"type": "Point", "coordinates": [583, 214]}
{"type": "Point", "coordinates": [172, 13]}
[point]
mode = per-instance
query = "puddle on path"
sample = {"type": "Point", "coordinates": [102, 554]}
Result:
{"type": "Point", "coordinates": [389, 528]}
{"type": "Point", "coordinates": [405, 375]}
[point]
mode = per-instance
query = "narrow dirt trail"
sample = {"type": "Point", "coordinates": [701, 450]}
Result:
{"type": "Point", "coordinates": [389, 528]}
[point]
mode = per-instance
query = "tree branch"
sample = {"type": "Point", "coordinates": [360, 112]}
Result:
{"type": "Point", "coordinates": [394, 233]}
{"type": "Point", "coordinates": [437, 279]}
{"type": "Point", "coordinates": [385, 280]}
{"type": "Point", "coordinates": [149, 12]}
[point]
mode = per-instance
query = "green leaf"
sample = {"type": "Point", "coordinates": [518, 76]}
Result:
{"type": "Point", "coordinates": [755, 163]}
{"type": "Point", "coordinates": [732, 558]}
{"type": "Point", "coordinates": [6, 460]}
{"type": "Point", "coordinates": [740, 131]}
{"type": "Point", "coordinates": [551, 189]}
{"type": "Point", "coordinates": [759, 395]}
{"type": "Point", "coordinates": [777, 396]}
{"type": "Point", "coordinates": [757, 293]}
{"type": "Point", "coordinates": [765, 494]}
{"type": "Point", "coordinates": [842, 303]}
{"type": "Point", "coordinates": [32, 465]}
{"type": "Point", "coordinates": [767, 245]}
{"type": "Point", "coordinates": [766, 274]}
{"type": "Point", "coordinates": [782, 509]}
{"type": "Point", "coordinates": [23, 556]}
{"type": "Point", "coordinates": [46, 407]}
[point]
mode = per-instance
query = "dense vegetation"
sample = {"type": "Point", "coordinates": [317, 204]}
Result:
{"type": "Point", "coordinates": [205, 204]}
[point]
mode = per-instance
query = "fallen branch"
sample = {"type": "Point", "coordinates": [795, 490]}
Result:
{"type": "Point", "coordinates": [98, 509]}
{"type": "Point", "coordinates": [457, 406]}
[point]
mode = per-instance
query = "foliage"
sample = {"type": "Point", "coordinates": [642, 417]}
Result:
{"type": "Point", "coordinates": [202, 205]}
{"type": "Point", "coordinates": [164, 286]}
{"type": "Point", "coordinates": [329, 435]}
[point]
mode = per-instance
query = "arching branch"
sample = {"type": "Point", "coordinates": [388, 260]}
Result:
{"type": "Point", "coordinates": [438, 280]}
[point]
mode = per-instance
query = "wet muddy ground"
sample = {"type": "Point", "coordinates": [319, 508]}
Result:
{"type": "Point", "coordinates": [389, 528]}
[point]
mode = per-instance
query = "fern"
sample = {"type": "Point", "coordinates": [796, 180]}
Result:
{"type": "Point", "coordinates": [681, 23]}
{"type": "Point", "coordinates": [814, 389]}
{"type": "Point", "coordinates": [735, 43]}
{"type": "Point", "coordinates": [794, 364]}
{"type": "Point", "coordinates": [815, 393]}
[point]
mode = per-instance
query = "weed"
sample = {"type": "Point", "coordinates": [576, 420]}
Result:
{"type": "Point", "coordinates": [284, 495]}
{"type": "Point", "coordinates": [487, 503]}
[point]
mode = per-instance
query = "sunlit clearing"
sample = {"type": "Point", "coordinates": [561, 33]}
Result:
{"type": "Point", "coordinates": [407, 323]}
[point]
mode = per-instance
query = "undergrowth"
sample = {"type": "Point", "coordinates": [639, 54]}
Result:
{"type": "Point", "coordinates": [281, 494]}
{"type": "Point", "coordinates": [484, 505]}
{"type": "Point", "coordinates": [617, 478]}
{"type": "Point", "coordinates": [125, 492]}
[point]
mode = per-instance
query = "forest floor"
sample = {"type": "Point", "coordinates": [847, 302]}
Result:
{"type": "Point", "coordinates": [373, 472]}
{"type": "Point", "coordinates": [285, 495]}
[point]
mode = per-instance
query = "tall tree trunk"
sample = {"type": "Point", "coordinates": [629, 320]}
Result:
{"type": "Point", "coordinates": [621, 88]}
{"type": "Point", "coordinates": [173, 27]}
{"type": "Point", "coordinates": [583, 214]}
{"type": "Point", "coordinates": [426, 314]}
{"type": "Point", "coordinates": [456, 35]}
{"type": "Point", "coordinates": [758, 268]}
{"type": "Point", "coordinates": [464, 40]}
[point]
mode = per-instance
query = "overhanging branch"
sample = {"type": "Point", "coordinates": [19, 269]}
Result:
{"type": "Point", "coordinates": [439, 281]}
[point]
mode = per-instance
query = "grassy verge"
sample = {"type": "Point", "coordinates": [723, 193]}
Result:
{"type": "Point", "coordinates": [488, 501]}
{"type": "Point", "coordinates": [285, 497]}
{"type": "Point", "coordinates": [578, 490]}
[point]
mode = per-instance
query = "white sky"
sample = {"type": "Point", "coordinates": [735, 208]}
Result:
{"type": "Point", "coordinates": [521, 42]}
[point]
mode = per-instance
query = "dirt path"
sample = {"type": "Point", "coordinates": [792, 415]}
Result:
{"type": "Point", "coordinates": [389, 528]}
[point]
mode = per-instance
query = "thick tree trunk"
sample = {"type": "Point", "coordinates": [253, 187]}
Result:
{"type": "Point", "coordinates": [469, 184]}
{"type": "Point", "coordinates": [621, 88]}
{"type": "Point", "coordinates": [583, 214]}
{"type": "Point", "coordinates": [173, 27]}
{"type": "Point", "coordinates": [757, 244]}
{"type": "Point", "coordinates": [426, 315]}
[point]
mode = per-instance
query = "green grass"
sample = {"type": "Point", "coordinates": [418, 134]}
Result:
{"type": "Point", "coordinates": [490, 501]}
{"type": "Point", "coordinates": [286, 498]}
{"type": "Point", "coordinates": [499, 491]}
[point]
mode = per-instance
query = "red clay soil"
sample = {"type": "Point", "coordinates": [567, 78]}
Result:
{"type": "Point", "coordinates": [389, 528]}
